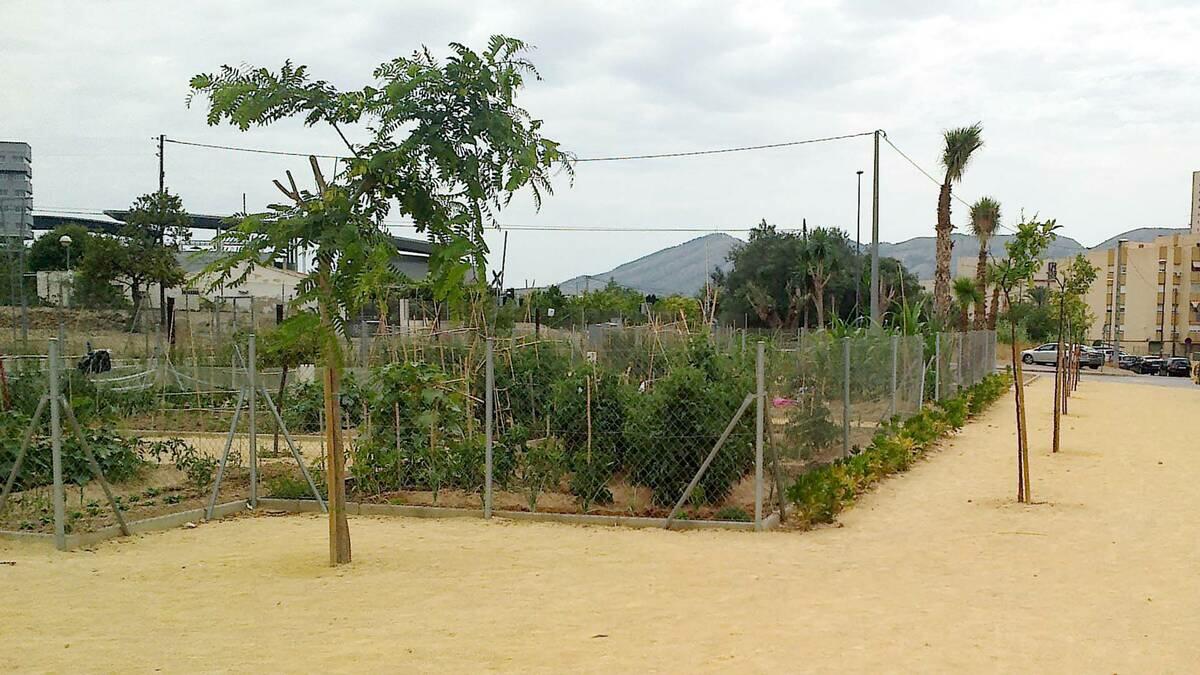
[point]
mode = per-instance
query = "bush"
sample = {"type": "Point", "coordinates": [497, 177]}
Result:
{"type": "Point", "coordinates": [820, 494]}
{"type": "Point", "coordinates": [119, 457]}
{"type": "Point", "coordinates": [671, 429]}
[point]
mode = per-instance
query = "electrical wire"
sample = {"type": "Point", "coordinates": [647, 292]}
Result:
{"type": "Point", "coordinates": [612, 158]}
{"type": "Point", "coordinates": [935, 181]}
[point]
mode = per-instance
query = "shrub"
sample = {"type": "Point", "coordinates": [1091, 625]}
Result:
{"type": "Point", "coordinates": [539, 466]}
{"type": "Point", "coordinates": [820, 494]}
{"type": "Point", "coordinates": [671, 429]}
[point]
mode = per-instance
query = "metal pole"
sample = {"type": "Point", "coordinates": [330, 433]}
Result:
{"type": "Point", "coordinates": [895, 350]}
{"type": "Point", "coordinates": [875, 236]}
{"type": "Point", "coordinates": [60, 509]}
{"type": "Point", "coordinates": [489, 414]}
{"type": "Point", "coordinates": [846, 397]}
{"type": "Point", "coordinates": [959, 376]}
{"type": "Point", "coordinates": [858, 248]}
{"type": "Point", "coordinates": [760, 410]}
{"type": "Point", "coordinates": [937, 366]}
{"type": "Point", "coordinates": [252, 376]}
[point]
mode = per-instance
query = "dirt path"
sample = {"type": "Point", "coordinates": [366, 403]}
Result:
{"type": "Point", "coordinates": [938, 570]}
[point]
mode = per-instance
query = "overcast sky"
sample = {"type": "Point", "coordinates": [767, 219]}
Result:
{"type": "Point", "coordinates": [1091, 110]}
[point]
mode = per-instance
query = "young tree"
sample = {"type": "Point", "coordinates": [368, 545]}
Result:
{"type": "Point", "coordinates": [445, 145]}
{"type": "Point", "coordinates": [985, 218]}
{"type": "Point", "coordinates": [961, 144]}
{"type": "Point", "coordinates": [1073, 282]}
{"type": "Point", "coordinates": [1024, 259]}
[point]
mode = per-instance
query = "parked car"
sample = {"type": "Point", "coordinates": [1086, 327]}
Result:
{"type": "Point", "coordinates": [1092, 358]}
{"type": "Point", "coordinates": [1179, 367]}
{"type": "Point", "coordinates": [1152, 365]}
{"type": "Point", "coordinates": [1046, 354]}
{"type": "Point", "coordinates": [1129, 362]}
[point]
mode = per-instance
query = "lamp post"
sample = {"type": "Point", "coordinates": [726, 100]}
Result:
{"type": "Point", "coordinates": [858, 245]}
{"type": "Point", "coordinates": [65, 242]}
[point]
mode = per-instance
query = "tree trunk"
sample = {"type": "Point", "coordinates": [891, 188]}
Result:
{"type": "Point", "coordinates": [964, 319]}
{"type": "Point", "coordinates": [1019, 400]}
{"type": "Point", "coordinates": [335, 463]}
{"type": "Point", "coordinates": [991, 321]}
{"type": "Point", "coordinates": [819, 301]}
{"type": "Point", "coordinates": [943, 251]}
{"type": "Point", "coordinates": [981, 315]}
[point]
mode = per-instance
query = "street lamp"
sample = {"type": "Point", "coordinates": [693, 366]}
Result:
{"type": "Point", "coordinates": [65, 242]}
{"type": "Point", "coordinates": [858, 245]}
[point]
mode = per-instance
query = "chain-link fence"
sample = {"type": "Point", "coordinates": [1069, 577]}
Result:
{"type": "Point", "coordinates": [632, 422]}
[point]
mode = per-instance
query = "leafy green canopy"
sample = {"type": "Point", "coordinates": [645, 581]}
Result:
{"type": "Point", "coordinates": [445, 145]}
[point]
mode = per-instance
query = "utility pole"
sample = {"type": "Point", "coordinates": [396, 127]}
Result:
{"type": "Point", "coordinates": [858, 245]}
{"type": "Point", "coordinates": [162, 231]}
{"type": "Point", "coordinates": [875, 236]}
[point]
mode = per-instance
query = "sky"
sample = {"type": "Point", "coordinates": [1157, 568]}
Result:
{"type": "Point", "coordinates": [1089, 109]}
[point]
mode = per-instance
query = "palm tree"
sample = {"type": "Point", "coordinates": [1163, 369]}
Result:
{"type": "Point", "coordinates": [961, 143]}
{"type": "Point", "coordinates": [822, 259]}
{"type": "Point", "coordinates": [985, 218]}
{"type": "Point", "coordinates": [966, 293]}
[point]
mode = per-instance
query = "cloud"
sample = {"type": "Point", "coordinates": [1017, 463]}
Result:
{"type": "Point", "coordinates": [1088, 108]}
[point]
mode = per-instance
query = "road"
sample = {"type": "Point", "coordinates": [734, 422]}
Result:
{"type": "Point", "coordinates": [1089, 374]}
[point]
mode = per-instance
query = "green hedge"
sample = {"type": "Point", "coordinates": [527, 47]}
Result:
{"type": "Point", "coordinates": [819, 495]}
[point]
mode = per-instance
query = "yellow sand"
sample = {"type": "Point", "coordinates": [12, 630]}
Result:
{"type": "Point", "coordinates": [937, 570]}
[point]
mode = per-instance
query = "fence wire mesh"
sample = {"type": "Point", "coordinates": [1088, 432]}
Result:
{"type": "Point", "coordinates": [611, 422]}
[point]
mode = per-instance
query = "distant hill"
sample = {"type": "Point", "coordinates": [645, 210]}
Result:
{"type": "Point", "coordinates": [684, 268]}
{"type": "Point", "coordinates": [679, 269]}
{"type": "Point", "coordinates": [1144, 234]}
{"type": "Point", "coordinates": [917, 254]}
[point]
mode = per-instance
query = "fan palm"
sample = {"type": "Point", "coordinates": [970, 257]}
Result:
{"type": "Point", "coordinates": [961, 144]}
{"type": "Point", "coordinates": [985, 218]}
{"type": "Point", "coordinates": [966, 293]}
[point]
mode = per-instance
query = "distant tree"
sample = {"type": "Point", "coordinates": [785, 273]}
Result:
{"type": "Point", "coordinates": [985, 218]}
{"type": "Point", "coordinates": [47, 253]}
{"type": "Point", "coordinates": [824, 253]}
{"type": "Point", "coordinates": [158, 225]}
{"type": "Point", "coordinates": [966, 294]}
{"type": "Point", "coordinates": [446, 146]}
{"type": "Point", "coordinates": [133, 263]}
{"type": "Point", "coordinates": [960, 145]}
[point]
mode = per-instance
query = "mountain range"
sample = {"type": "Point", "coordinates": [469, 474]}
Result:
{"type": "Point", "coordinates": [685, 267]}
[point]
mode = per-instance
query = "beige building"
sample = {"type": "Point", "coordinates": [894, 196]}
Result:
{"type": "Point", "coordinates": [1155, 295]}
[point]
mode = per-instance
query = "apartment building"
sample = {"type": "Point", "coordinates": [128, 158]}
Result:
{"type": "Point", "coordinates": [16, 190]}
{"type": "Point", "coordinates": [1147, 294]}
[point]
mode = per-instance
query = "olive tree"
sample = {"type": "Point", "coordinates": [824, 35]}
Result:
{"type": "Point", "coordinates": [441, 143]}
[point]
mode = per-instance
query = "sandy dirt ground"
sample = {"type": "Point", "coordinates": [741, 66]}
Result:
{"type": "Point", "coordinates": [937, 570]}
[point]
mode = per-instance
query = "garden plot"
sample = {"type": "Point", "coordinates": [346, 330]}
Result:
{"type": "Point", "coordinates": [936, 570]}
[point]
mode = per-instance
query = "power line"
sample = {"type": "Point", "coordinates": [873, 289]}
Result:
{"type": "Point", "coordinates": [613, 158]}
{"type": "Point", "coordinates": [721, 151]}
{"type": "Point", "coordinates": [259, 151]}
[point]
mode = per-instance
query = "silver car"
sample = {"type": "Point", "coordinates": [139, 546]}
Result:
{"type": "Point", "coordinates": [1046, 354]}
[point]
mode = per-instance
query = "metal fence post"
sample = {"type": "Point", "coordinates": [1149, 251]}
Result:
{"type": "Point", "coordinates": [961, 338]}
{"type": "Point", "coordinates": [60, 506]}
{"type": "Point", "coordinates": [489, 401]}
{"type": "Point", "coordinates": [895, 350]}
{"type": "Point", "coordinates": [760, 410]}
{"type": "Point", "coordinates": [937, 366]}
{"type": "Point", "coordinates": [252, 376]}
{"type": "Point", "coordinates": [846, 397]}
